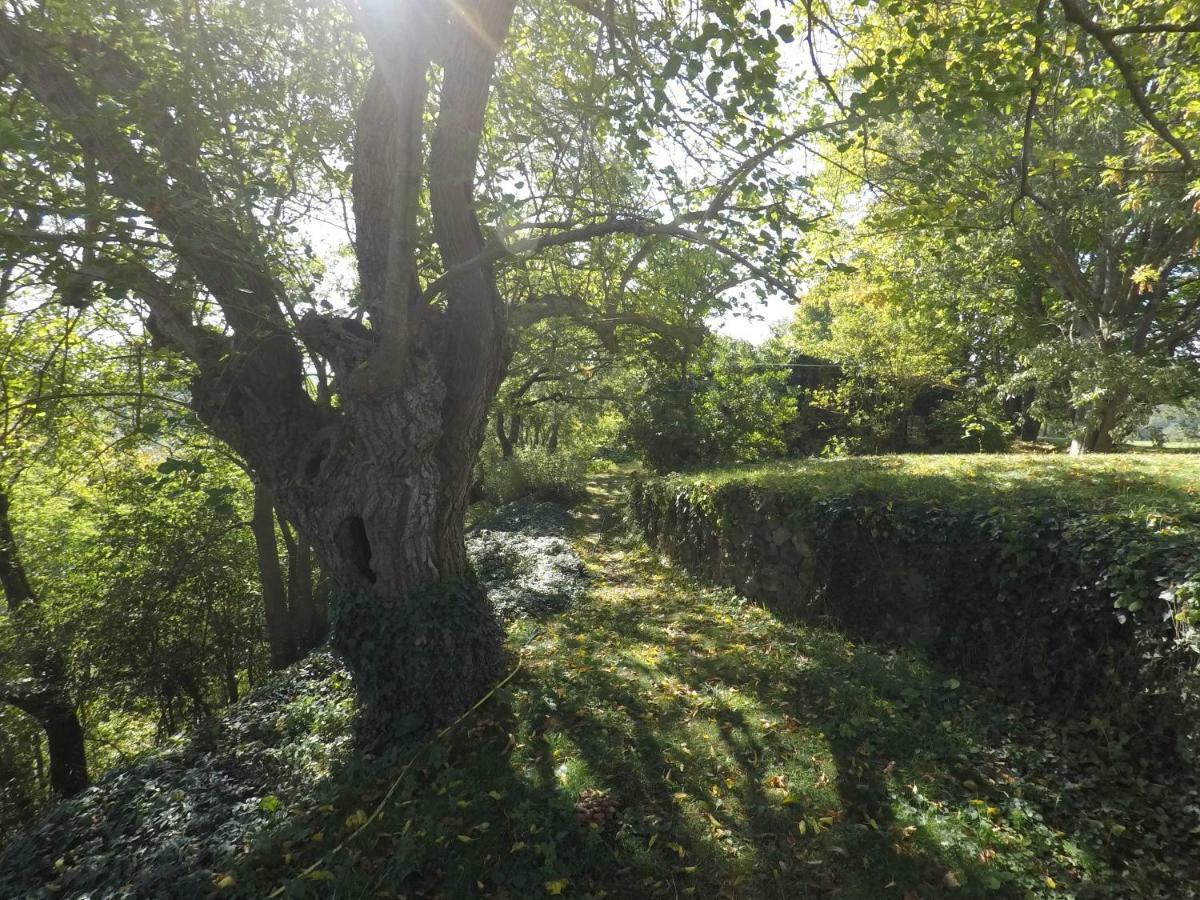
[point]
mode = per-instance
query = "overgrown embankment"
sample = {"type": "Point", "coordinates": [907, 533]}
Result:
{"type": "Point", "coordinates": [1076, 582]}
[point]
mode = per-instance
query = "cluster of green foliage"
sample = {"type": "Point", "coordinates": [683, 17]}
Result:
{"type": "Point", "coordinates": [148, 586]}
{"type": "Point", "coordinates": [1075, 597]}
{"type": "Point", "coordinates": [896, 362]}
{"type": "Point", "coordinates": [537, 474]}
{"type": "Point", "coordinates": [1019, 177]}
{"type": "Point", "coordinates": [726, 402]}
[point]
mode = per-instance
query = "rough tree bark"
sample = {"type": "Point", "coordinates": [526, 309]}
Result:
{"type": "Point", "coordinates": [377, 483]}
{"type": "Point", "coordinates": [43, 695]}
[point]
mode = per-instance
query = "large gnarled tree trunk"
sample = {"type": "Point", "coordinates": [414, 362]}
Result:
{"type": "Point", "coordinates": [378, 482]}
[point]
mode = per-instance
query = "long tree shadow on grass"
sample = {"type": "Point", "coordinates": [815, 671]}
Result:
{"type": "Point", "coordinates": [746, 758]}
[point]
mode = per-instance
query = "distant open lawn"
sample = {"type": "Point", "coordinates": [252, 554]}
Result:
{"type": "Point", "coordinates": [723, 753]}
{"type": "Point", "coordinates": [1163, 482]}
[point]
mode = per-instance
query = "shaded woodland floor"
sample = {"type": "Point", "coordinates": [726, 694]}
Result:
{"type": "Point", "coordinates": [744, 757]}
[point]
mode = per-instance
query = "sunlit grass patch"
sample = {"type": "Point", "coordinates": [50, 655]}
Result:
{"type": "Point", "coordinates": [1128, 482]}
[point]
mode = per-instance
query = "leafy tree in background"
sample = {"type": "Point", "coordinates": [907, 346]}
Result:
{"type": "Point", "coordinates": [1047, 126]}
{"type": "Point", "coordinates": [721, 402]}
{"type": "Point", "coordinates": [885, 347]}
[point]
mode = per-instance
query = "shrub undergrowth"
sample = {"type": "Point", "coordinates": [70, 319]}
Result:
{"type": "Point", "coordinates": [538, 475]}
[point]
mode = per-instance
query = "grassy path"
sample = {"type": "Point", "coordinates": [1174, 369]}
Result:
{"type": "Point", "coordinates": [727, 754]}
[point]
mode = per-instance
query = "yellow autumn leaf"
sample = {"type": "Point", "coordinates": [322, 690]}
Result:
{"type": "Point", "coordinates": [557, 886]}
{"type": "Point", "coordinates": [1051, 883]}
{"type": "Point", "coordinates": [225, 882]}
{"type": "Point", "coordinates": [356, 819]}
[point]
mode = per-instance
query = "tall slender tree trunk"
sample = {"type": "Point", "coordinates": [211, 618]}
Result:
{"type": "Point", "coordinates": [310, 614]}
{"type": "Point", "coordinates": [516, 431]}
{"type": "Point", "coordinates": [281, 630]}
{"type": "Point", "coordinates": [502, 435]}
{"type": "Point", "coordinates": [45, 695]}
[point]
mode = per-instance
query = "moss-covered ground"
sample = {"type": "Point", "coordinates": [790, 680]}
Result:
{"type": "Point", "coordinates": [744, 757]}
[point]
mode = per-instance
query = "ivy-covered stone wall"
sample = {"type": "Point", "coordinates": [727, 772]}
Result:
{"type": "Point", "coordinates": [1075, 606]}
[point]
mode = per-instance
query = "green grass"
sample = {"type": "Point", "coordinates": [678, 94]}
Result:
{"type": "Point", "coordinates": [1130, 482]}
{"type": "Point", "coordinates": [748, 758]}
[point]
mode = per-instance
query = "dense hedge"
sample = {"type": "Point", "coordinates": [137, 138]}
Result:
{"type": "Point", "coordinates": [1074, 604]}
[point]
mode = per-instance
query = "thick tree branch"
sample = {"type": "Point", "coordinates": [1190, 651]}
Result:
{"type": "Point", "coordinates": [388, 161]}
{"type": "Point", "coordinates": [345, 343]}
{"type": "Point", "coordinates": [498, 250]}
{"type": "Point", "coordinates": [572, 306]}
{"type": "Point", "coordinates": [171, 314]}
{"type": "Point", "coordinates": [206, 238]}
{"type": "Point", "coordinates": [259, 386]}
{"type": "Point", "coordinates": [1156, 28]}
{"type": "Point", "coordinates": [474, 355]}
{"type": "Point", "coordinates": [1078, 15]}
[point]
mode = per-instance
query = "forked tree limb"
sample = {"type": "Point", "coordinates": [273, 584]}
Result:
{"type": "Point", "coordinates": [574, 307]}
{"type": "Point", "coordinates": [1076, 14]}
{"type": "Point", "coordinates": [499, 250]}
